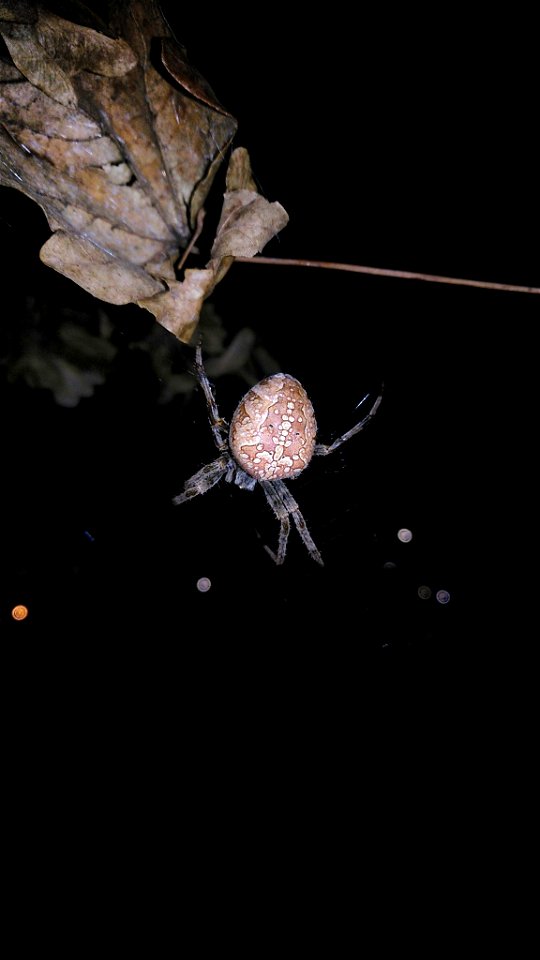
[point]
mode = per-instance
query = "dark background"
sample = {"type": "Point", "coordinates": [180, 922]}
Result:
{"type": "Point", "coordinates": [391, 142]}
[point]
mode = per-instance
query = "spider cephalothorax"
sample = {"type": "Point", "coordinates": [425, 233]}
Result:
{"type": "Point", "coordinates": [271, 439]}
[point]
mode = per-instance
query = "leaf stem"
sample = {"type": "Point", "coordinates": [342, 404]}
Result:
{"type": "Point", "coordinates": [196, 234]}
{"type": "Point", "coordinates": [381, 272]}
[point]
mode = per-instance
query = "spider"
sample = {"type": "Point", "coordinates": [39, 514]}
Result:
{"type": "Point", "coordinates": [271, 439]}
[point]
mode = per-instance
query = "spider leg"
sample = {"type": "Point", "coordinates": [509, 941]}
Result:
{"type": "Point", "coordinates": [282, 515]}
{"type": "Point", "coordinates": [204, 479]}
{"type": "Point", "coordinates": [322, 449]}
{"type": "Point", "coordinates": [294, 511]}
{"type": "Point", "coordinates": [284, 506]}
{"type": "Point", "coordinates": [244, 481]}
{"type": "Point", "coordinates": [219, 428]}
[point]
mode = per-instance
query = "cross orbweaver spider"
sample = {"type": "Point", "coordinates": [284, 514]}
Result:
{"type": "Point", "coordinates": [271, 439]}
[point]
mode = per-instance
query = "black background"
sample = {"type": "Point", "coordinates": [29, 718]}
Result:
{"type": "Point", "coordinates": [392, 142]}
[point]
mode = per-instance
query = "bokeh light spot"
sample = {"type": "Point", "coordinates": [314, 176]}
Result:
{"type": "Point", "coordinates": [442, 596]}
{"type": "Point", "coordinates": [424, 592]}
{"type": "Point", "coordinates": [20, 612]}
{"type": "Point", "coordinates": [404, 535]}
{"type": "Point", "coordinates": [203, 584]}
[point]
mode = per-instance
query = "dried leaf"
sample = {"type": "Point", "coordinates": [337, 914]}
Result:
{"type": "Point", "coordinates": [174, 60]}
{"type": "Point", "coordinates": [119, 157]}
{"type": "Point", "coordinates": [32, 60]}
{"type": "Point", "coordinates": [18, 10]}
{"type": "Point", "coordinates": [247, 223]}
{"type": "Point", "coordinates": [96, 270]}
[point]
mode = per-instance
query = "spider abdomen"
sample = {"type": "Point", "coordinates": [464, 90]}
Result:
{"type": "Point", "coordinates": [273, 430]}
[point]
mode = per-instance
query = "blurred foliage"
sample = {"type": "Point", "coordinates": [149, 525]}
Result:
{"type": "Point", "coordinates": [71, 353]}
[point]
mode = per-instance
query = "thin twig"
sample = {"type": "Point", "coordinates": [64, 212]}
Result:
{"type": "Point", "coordinates": [193, 241]}
{"type": "Point", "coordinates": [380, 272]}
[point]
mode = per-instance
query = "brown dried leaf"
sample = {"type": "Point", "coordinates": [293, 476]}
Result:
{"type": "Point", "coordinates": [247, 223]}
{"type": "Point", "coordinates": [121, 159]}
{"type": "Point", "coordinates": [21, 11]}
{"type": "Point", "coordinates": [174, 60]}
{"type": "Point", "coordinates": [87, 49]}
{"type": "Point", "coordinates": [102, 274]}
{"type": "Point", "coordinates": [32, 60]}
{"type": "Point", "coordinates": [178, 309]}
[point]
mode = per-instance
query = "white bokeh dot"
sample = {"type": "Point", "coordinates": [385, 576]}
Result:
{"type": "Point", "coordinates": [442, 596]}
{"type": "Point", "coordinates": [405, 535]}
{"type": "Point", "coordinates": [203, 584]}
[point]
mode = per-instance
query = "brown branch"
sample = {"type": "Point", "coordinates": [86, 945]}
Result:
{"type": "Point", "coordinates": [380, 272]}
{"type": "Point", "coordinates": [193, 241]}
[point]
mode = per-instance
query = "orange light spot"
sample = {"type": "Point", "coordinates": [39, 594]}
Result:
{"type": "Point", "coordinates": [20, 612]}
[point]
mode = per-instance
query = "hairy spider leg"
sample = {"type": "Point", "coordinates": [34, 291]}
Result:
{"type": "Point", "coordinates": [277, 493]}
{"type": "Point", "coordinates": [204, 479]}
{"type": "Point", "coordinates": [218, 425]}
{"type": "Point", "coordinates": [242, 479]}
{"type": "Point", "coordinates": [281, 514]}
{"type": "Point", "coordinates": [294, 511]}
{"type": "Point", "coordinates": [284, 506]}
{"type": "Point", "coordinates": [322, 449]}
